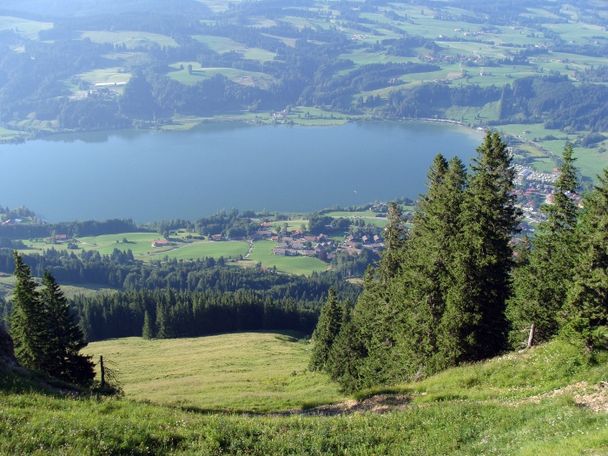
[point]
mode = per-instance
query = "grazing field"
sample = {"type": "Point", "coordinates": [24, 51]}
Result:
{"type": "Point", "coordinates": [547, 401]}
{"type": "Point", "coordinates": [300, 265]}
{"type": "Point", "coordinates": [7, 284]}
{"type": "Point", "coordinates": [222, 45]}
{"type": "Point", "coordinates": [247, 372]}
{"type": "Point", "coordinates": [130, 39]}
{"type": "Point", "coordinates": [367, 216]}
{"type": "Point", "coordinates": [292, 224]}
{"type": "Point", "coordinates": [9, 135]}
{"type": "Point", "coordinates": [26, 28]}
{"type": "Point", "coordinates": [198, 73]}
{"type": "Point", "coordinates": [141, 246]}
{"type": "Point", "coordinates": [203, 249]}
{"type": "Point", "coordinates": [106, 76]}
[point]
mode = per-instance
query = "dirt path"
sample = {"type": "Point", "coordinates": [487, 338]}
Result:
{"type": "Point", "coordinates": [380, 403]}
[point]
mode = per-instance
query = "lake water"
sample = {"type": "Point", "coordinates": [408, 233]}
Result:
{"type": "Point", "coordinates": [148, 175]}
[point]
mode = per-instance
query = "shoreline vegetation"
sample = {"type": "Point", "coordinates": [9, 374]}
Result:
{"type": "Point", "coordinates": [9, 136]}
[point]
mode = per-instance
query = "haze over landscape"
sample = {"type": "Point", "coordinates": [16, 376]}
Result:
{"type": "Point", "coordinates": [304, 227]}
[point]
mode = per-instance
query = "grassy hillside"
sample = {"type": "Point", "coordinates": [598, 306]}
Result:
{"type": "Point", "coordinates": [248, 372]}
{"type": "Point", "coordinates": [536, 403]}
{"type": "Point", "coordinates": [141, 246]}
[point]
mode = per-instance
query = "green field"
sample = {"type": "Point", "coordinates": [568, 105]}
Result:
{"type": "Point", "coordinates": [300, 265]}
{"type": "Point", "coordinates": [222, 45]}
{"type": "Point", "coordinates": [540, 402]}
{"type": "Point", "coordinates": [24, 27]}
{"type": "Point", "coordinates": [106, 76]}
{"type": "Point", "coordinates": [205, 249]}
{"type": "Point", "coordinates": [181, 74]}
{"type": "Point", "coordinates": [239, 372]}
{"type": "Point", "coordinates": [10, 135]}
{"type": "Point", "coordinates": [368, 216]}
{"type": "Point", "coordinates": [141, 246]}
{"type": "Point", "coordinates": [130, 39]}
{"type": "Point", "coordinates": [7, 284]}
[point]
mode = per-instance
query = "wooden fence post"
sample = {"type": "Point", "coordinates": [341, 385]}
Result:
{"type": "Point", "coordinates": [103, 372]}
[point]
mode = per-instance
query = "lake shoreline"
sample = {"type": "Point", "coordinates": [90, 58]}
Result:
{"type": "Point", "coordinates": [236, 122]}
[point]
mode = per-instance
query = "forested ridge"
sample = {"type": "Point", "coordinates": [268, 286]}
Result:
{"type": "Point", "coordinates": [459, 286]}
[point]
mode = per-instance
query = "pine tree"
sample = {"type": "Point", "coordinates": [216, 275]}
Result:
{"type": "Point", "coordinates": [27, 325]}
{"type": "Point", "coordinates": [62, 357]}
{"type": "Point", "coordinates": [426, 276]}
{"type": "Point", "coordinates": [346, 355]}
{"type": "Point", "coordinates": [585, 314]}
{"type": "Point", "coordinates": [326, 332]}
{"type": "Point", "coordinates": [394, 242]}
{"type": "Point", "coordinates": [474, 324]}
{"type": "Point", "coordinates": [148, 330]}
{"type": "Point", "coordinates": [542, 284]}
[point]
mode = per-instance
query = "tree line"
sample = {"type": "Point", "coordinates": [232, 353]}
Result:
{"type": "Point", "coordinates": [70, 229]}
{"type": "Point", "coordinates": [169, 313]}
{"type": "Point", "coordinates": [459, 286]}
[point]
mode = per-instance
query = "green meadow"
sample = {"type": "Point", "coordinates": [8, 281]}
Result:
{"type": "Point", "coordinates": [299, 265]}
{"type": "Point", "coordinates": [222, 45]}
{"type": "Point", "coordinates": [27, 28]}
{"type": "Point", "coordinates": [141, 246]}
{"type": "Point", "coordinates": [367, 216]}
{"type": "Point", "coordinates": [112, 75]}
{"type": "Point", "coordinates": [181, 74]}
{"type": "Point", "coordinates": [248, 372]}
{"type": "Point", "coordinates": [540, 402]}
{"type": "Point", "coordinates": [130, 39]}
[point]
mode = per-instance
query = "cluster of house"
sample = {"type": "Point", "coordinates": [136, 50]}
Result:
{"type": "Point", "coordinates": [535, 188]}
{"type": "Point", "coordinates": [354, 245]}
{"type": "Point", "coordinates": [299, 244]}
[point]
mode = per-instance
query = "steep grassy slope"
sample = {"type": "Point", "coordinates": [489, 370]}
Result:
{"type": "Point", "coordinates": [534, 403]}
{"type": "Point", "coordinates": [248, 372]}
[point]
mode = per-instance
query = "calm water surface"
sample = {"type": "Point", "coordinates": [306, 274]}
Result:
{"type": "Point", "coordinates": [157, 175]}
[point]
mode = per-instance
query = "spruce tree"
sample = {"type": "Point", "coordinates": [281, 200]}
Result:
{"type": "Point", "coordinates": [346, 355]}
{"type": "Point", "coordinates": [426, 276]}
{"type": "Point", "coordinates": [541, 285]}
{"type": "Point", "coordinates": [148, 330]}
{"type": "Point", "coordinates": [27, 319]}
{"type": "Point", "coordinates": [585, 314]}
{"type": "Point", "coordinates": [474, 324]}
{"type": "Point", "coordinates": [326, 332]}
{"type": "Point", "coordinates": [395, 236]}
{"type": "Point", "coordinates": [62, 357]}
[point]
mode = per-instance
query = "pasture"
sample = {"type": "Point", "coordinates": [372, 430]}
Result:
{"type": "Point", "coordinates": [367, 216]}
{"type": "Point", "coordinates": [181, 74]}
{"type": "Point", "coordinates": [106, 76]}
{"type": "Point", "coordinates": [130, 39]}
{"type": "Point", "coordinates": [245, 372]}
{"type": "Point", "coordinates": [7, 284]}
{"type": "Point", "coordinates": [299, 265]}
{"type": "Point", "coordinates": [141, 246]}
{"type": "Point", "coordinates": [222, 45]}
{"type": "Point", "coordinates": [24, 27]}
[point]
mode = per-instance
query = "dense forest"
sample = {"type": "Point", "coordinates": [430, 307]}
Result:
{"type": "Point", "coordinates": [459, 287]}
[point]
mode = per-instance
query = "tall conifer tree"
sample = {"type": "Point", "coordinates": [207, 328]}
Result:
{"type": "Point", "coordinates": [27, 325]}
{"type": "Point", "coordinates": [586, 310]}
{"type": "Point", "coordinates": [326, 332]}
{"type": "Point", "coordinates": [474, 324]}
{"type": "Point", "coordinates": [64, 338]}
{"type": "Point", "coordinates": [426, 276]}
